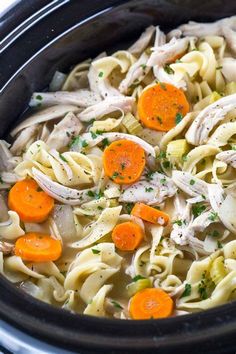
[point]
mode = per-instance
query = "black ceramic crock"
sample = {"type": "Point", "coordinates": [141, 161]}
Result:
{"type": "Point", "coordinates": [38, 37]}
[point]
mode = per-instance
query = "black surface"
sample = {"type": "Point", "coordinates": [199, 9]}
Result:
{"type": "Point", "coordinates": [25, 67]}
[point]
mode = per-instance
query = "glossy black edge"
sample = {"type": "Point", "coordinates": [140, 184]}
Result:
{"type": "Point", "coordinates": [76, 331]}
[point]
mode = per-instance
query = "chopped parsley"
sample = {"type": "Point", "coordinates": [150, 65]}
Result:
{"type": "Point", "coordinates": [63, 158]}
{"type": "Point", "coordinates": [148, 189]}
{"type": "Point", "coordinates": [116, 305]}
{"type": "Point", "coordinates": [219, 67]}
{"type": "Point", "coordinates": [84, 143]}
{"type": "Point", "coordinates": [105, 142]}
{"type": "Point", "coordinates": [1, 181]}
{"type": "Point", "coordinates": [219, 244]}
{"type": "Point", "coordinates": [162, 155]}
{"type": "Point", "coordinates": [93, 135]}
{"type": "Point", "coordinates": [215, 233]}
{"type": "Point", "coordinates": [163, 86]}
{"type": "Point", "coordinates": [143, 66]}
{"type": "Point", "coordinates": [101, 74]}
{"type": "Point", "coordinates": [39, 98]}
{"type": "Point", "coordinates": [184, 157]}
{"type": "Point", "coordinates": [178, 118]}
{"type": "Point", "coordinates": [95, 251]}
{"type": "Point", "coordinates": [187, 290]}
{"type": "Point", "coordinates": [96, 195]}
{"type": "Point", "coordinates": [128, 207]}
{"type": "Point", "coordinates": [192, 182]}
{"type": "Point", "coordinates": [168, 69]}
{"type": "Point", "coordinates": [138, 277]}
{"type": "Point", "coordinates": [163, 181]}
{"type": "Point", "coordinates": [117, 174]}
{"type": "Point", "coordinates": [198, 209]}
{"type": "Point", "coordinates": [213, 216]}
{"type": "Point", "coordinates": [74, 142]}
{"type": "Point", "coordinates": [149, 175]}
{"type": "Point", "coordinates": [166, 164]}
{"type": "Point", "coordinates": [122, 165]}
{"type": "Point", "coordinates": [178, 222]}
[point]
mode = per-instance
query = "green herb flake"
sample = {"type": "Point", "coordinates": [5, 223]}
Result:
{"type": "Point", "coordinates": [162, 155]}
{"type": "Point", "coordinates": [39, 98]}
{"type": "Point", "coordinates": [148, 189]}
{"type": "Point", "coordinates": [143, 66]}
{"type": "Point", "coordinates": [219, 244]}
{"type": "Point", "coordinates": [74, 142]}
{"type": "Point", "coordinates": [163, 181]}
{"type": "Point", "coordinates": [122, 165]}
{"type": "Point", "coordinates": [187, 290]}
{"type": "Point", "coordinates": [1, 181]}
{"type": "Point", "coordinates": [219, 67]}
{"type": "Point", "coordinates": [178, 222]}
{"type": "Point", "coordinates": [105, 142]}
{"type": "Point", "coordinates": [128, 207]}
{"type": "Point", "coordinates": [100, 74]}
{"type": "Point", "coordinates": [96, 251]}
{"type": "Point", "coordinates": [84, 143]}
{"type": "Point", "coordinates": [192, 182]}
{"type": "Point", "coordinates": [166, 164]}
{"type": "Point", "coordinates": [163, 86]}
{"type": "Point", "coordinates": [178, 118]}
{"type": "Point", "coordinates": [184, 157]}
{"type": "Point", "coordinates": [215, 233]}
{"type": "Point", "coordinates": [213, 216]}
{"type": "Point", "coordinates": [93, 135]}
{"type": "Point", "coordinates": [63, 158]}
{"type": "Point", "coordinates": [168, 69]}
{"type": "Point", "coordinates": [90, 194]}
{"type": "Point", "coordinates": [198, 209]}
{"type": "Point", "coordinates": [137, 277]}
{"type": "Point", "coordinates": [116, 305]}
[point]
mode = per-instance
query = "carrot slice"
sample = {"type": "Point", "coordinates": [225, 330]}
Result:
{"type": "Point", "coordinates": [124, 161]}
{"type": "Point", "coordinates": [150, 214]}
{"type": "Point", "coordinates": [127, 236]}
{"type": "Point", "coordinates": [150, 303]}
{"type": "Point", "coordinates": [29, 201]}
{"type": "Point", "coordinates": [162, 106]}
{"type": "Point", "coordinates": [37, 247]}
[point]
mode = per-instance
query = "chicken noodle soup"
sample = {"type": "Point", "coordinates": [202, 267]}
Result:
{"type": "Point", "coordinates": [118, 194]}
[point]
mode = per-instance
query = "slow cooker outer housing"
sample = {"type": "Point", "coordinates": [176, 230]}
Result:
{"type": "Point", "coordinates": [53, 35]}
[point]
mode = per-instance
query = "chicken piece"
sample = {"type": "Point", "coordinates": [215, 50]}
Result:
{"type": "Point", "coordinates": [5, 156]}
{"type": "Point", "coordinates": [45, 115]}
{"type": "Point", "coordinates": [62, 133]}
{"type": "Point", "coordinates": [229, 68]}
{"type": "Point", "coordinates": [61, 193]}
{"type": "Point", "coordinates": [208, 118]}
{"type": "Point", "coordinates": [110, 104]}
{"type": "Point", "coordinates": [152, 191]}
{"type": "Point", "coordinates": [24, 138]}
{"type": "Point", "coordinates": [6, 248]}
{"type": "Point", "coordinates": [191, 185]}
{"type": "Point", "coordinates": [228, 156]}
{"type": "Point", "coordinates": [166, 53]}
{"type": "Point", "coordinates": [141, 44]}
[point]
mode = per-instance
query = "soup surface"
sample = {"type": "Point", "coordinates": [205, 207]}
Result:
{"type": "Point", "coordinates": [118, 193]}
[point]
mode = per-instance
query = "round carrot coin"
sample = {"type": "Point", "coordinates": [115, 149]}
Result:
{"type": "Point", "coordinates": [150, 303]}
{"type": "Point", "coordinates": [124, 161]}
{"type": "Point", "coordinates": [30, 202]}
{"type": "Point", "coordinates": [127, 236]}
{"type": "Point", "coordinates": [161, 107]}
{"type": "Point", "coordinates": [37, 247]}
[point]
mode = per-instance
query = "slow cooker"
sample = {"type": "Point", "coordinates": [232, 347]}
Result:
{"type": "Point", "coordinates": [38, 37]}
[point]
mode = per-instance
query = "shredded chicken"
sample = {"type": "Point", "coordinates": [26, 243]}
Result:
{"type": "Point", "coordinates": [208, 118]}
{"type": "Point", "coordinates": [64, 131]}
{"type": "Point", "coordinates": [229, 68]}
{"type": "Point", "coordinates": [61, 193]}
{"type": "Point", "coordinates": [6, 248]}
{"type": "Point", "coordinates": [191, 185]}
{"type": "Point", "coordinates": [45, 115]}
{"type": "Point", "coordinates": [110, 104]}
{"type": "Point", "coordinates": [141, 44]}
{"type": "Point", "coordinates": [228, 156]}
{"type": "Point", "coordinates": [5, 156]}
{"type": "Point", "coordinates": [24, 137]}
{"type": "Point", "coordinates": [80, 98]}
{"type": "Point", "coordinates": [153, 190]}
{"type": "Point", "coordinates": [165, 53]}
